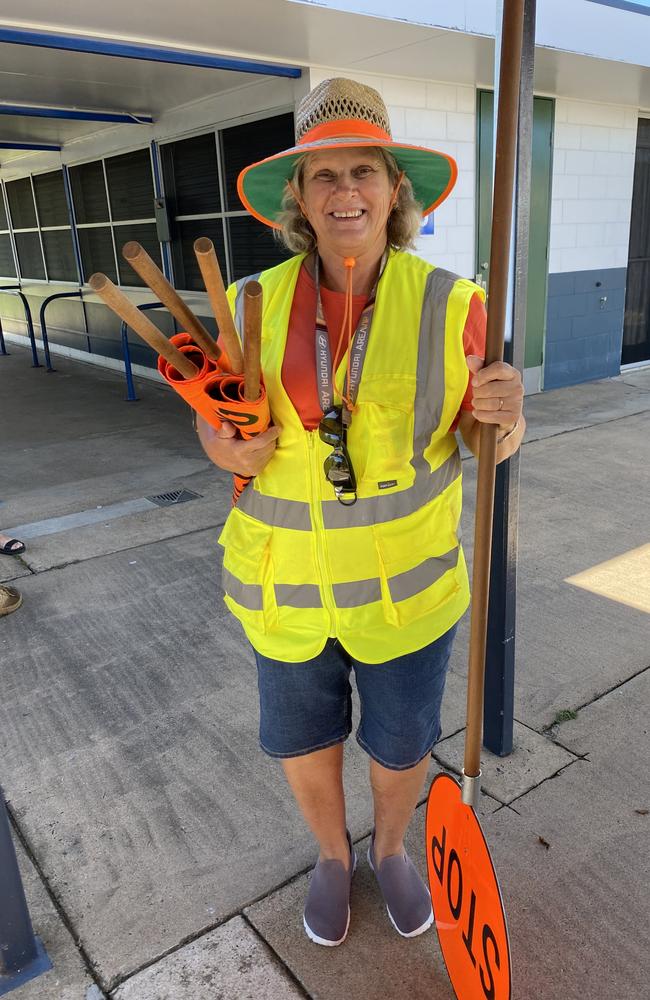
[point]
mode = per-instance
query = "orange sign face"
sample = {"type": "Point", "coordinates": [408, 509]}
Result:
{"type": "Point", "coordinates": [466, 898]}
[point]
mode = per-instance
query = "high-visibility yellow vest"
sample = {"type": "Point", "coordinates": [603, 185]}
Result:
{"type": "Point", "coordinates": [386, 575]}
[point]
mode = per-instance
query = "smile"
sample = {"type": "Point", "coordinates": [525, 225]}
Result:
{"type": "Point", "coordinates": [354, 213]}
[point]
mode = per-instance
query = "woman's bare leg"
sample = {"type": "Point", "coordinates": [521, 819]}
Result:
{"type": "Point", "coordinates": [316, 780]}
{"type": "Point", "coordinates": [395, 795]}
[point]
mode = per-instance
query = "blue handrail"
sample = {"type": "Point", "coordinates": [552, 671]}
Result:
{"type": "Point", "coordinates": [41, 318]}
{"type": "Point", "coordinates": [17, 290]}
{"type": "Point", "coordinates": [126, 352]}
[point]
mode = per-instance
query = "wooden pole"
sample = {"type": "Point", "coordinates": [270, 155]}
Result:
{"type": "Point", "coordinates": [118, 302]}
{"type": "Point", "coordinates": [504, 176]}
{"type": "Point", "coordinates": [152, 276]}
{"type": "Point", "coordinates": [252, 340]}
{"type": "Point", "coordinates": [211, 273]}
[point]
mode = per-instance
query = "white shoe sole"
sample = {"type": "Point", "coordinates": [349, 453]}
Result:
{"type": "Point", "coordinates": [324, 941]}
{"type": "Point", "coordinates": [410, 934]}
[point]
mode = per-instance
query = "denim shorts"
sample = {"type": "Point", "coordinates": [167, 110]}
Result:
{"type": "Point", "coordinates": [308, 706]}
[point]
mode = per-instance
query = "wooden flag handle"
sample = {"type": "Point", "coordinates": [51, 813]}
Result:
{"type": "Point", "coordinates": [118, 302]}
{"type": "Point", "coordinates": [211, 273]}
{"type": "Point", "coordinates": [504, 178]}
{"type": "Point", "coordinates": [252, 340]}
{"type": "Point", "coordinates": [152, 276]}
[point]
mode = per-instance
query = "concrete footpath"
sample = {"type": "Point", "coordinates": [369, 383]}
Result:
{"type": "Point", "coordinates": [162, 854]}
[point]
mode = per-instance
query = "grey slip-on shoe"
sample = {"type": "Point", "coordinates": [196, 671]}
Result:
{"type": "Point", "coordinates": [327, 911]}
{"type": "Point", "coordinates": [407, 899]}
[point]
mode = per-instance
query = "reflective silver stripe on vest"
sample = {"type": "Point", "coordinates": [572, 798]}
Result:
{"type": "Point", "coordinates": [376, 510]}
{"type": "Point", "coordinates": [298, 595]}
{"type": "Point", "coordinates": [430, 391]}
{"type": "Point", "coordinates": [414, 581]}
{"type": "Point", "coordinates": [239, 302]}
{"type": "Point", "coordinates": [353, 595]}
{"type": "Point", "coordinates": [275, 511]}
{"type": "Point", "coordinates": [249, 595]}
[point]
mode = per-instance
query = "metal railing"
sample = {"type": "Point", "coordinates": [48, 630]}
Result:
{"type": "Point", "coordinates": [41, 319]}
{"type": "Point", "coordinates": [17, 290]}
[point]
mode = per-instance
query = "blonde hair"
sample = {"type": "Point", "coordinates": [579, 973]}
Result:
{"type": "Point", "coordinates": [403, 223]}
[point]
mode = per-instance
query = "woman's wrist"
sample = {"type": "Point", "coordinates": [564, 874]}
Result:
{"type": "Point", "coordinates": [509, 433]}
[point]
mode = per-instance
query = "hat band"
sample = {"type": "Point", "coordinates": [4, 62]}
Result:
{"type": "Point", "coordinates": [345, 128]}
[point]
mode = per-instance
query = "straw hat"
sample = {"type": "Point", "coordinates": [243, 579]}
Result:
{"type": "Point", "coordinates": [341, 113]}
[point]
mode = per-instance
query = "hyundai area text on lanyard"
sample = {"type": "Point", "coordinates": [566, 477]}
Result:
{"type": "Point", "coordinates": [335, 417]}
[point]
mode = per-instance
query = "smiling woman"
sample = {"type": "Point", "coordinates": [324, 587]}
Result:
{"type": "Point", "coordinates": [404, 220]}
{"type": "Point", "coordinates": [343, 554]}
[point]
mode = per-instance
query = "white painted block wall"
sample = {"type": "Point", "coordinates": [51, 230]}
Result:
{"type": "Point", "coordinates": [593, 174]}
{"type": "Point", "coordinates": [441, 116]}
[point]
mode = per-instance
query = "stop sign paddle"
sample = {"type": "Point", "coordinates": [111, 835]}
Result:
{"type": "Point", "coordinates": [466, 899]}
{"type": "Point", "coordinates": [465, 893]}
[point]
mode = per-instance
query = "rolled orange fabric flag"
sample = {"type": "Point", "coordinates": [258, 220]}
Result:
{"type": "Point", "coordinates": [192, 390]}
{"type": "Point", "coordinates": [250, 418]}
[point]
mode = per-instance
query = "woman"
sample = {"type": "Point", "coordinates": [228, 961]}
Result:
{"type": "Point", "coordinates": [343, 553]}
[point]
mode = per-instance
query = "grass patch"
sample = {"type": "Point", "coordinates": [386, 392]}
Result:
{"type": "Point", "coordinates": [566, 715]}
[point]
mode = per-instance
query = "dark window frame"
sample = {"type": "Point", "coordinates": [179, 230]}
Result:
{"type": "Point", "coordinates": [40, 229]}
{"type": "Point", "coordinates": [110, 223]}
{"type": "Point", "coordinates": [225, 214]}
{"type": "Point", "coordinates": [8, 232]}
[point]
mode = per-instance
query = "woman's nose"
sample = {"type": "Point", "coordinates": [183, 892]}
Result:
{"type": "Point", "coordinates": [345, 183]}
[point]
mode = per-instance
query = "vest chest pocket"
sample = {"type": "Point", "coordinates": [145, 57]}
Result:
{"type": "Point", "coordinates": [381, 438]}
{"type": "Point", "coordinates": [247, 576]}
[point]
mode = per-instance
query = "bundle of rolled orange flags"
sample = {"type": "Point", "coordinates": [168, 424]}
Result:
{"type": "Point", "coordinates": [221, 385]}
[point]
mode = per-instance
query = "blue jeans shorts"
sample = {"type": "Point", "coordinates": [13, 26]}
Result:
{"type": "Point", "coordinates": [308, 706]}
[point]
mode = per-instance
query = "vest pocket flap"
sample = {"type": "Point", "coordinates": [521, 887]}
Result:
{"type": "Point", "coordinates": [416, 554]}
{"type": "Point", "coordinates": [246, 542]}
{"type": "Point", "coordinates": [396, 391]}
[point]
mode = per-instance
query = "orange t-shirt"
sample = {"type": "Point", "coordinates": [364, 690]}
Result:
{"type": "Point", "coordinates": [299, 365]}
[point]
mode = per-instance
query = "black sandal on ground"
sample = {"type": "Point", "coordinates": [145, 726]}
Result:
{"type": "Point", "coordinates": [8, 547]}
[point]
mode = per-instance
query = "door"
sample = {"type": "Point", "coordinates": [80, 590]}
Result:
{"type": "Point", "coordinates": [636, 324]}
{"type": "Point", "coordinates": [540, 202]}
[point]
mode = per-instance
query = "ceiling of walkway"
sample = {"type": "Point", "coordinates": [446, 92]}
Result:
{"type": "Point", "coordinates": [296, 34]}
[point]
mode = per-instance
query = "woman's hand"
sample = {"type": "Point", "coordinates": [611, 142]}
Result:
{"type": "Point", "coordinates": [232, 453]}
{"type": "Point", "coordinates": [497, 398]}
{"type": "Point", "coordinates": [498, 393]}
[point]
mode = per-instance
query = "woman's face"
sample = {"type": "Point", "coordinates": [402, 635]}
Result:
{"type": "Point", "coordinates": [347, 194]}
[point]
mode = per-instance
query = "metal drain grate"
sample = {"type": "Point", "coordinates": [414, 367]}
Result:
{"type": "Point", "coordinates": [173, 497]}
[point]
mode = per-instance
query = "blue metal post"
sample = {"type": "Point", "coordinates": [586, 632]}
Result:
{"type": "Point", "coordinates": [22, 955]}
{"type": "Point", "coordinates": [126, 351]}
{"type": "Point", "coordinates": [126, 355]}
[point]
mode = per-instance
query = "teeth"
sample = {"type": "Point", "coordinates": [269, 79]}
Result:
{"type": "Point", "coordinates": [353, 214]}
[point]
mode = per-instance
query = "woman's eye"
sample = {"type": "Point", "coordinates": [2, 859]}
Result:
{"type": "Point", "coordinates": [323, 175]}
{"type": "Point", "coordinates": [363, 171]}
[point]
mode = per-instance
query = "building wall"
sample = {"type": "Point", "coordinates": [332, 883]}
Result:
{"type": "Point", "coordinates": [440, 116]}
{"type": "Point", "coordinates": [593, 173]}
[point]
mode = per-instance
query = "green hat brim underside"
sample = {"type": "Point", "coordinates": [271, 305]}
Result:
{"type": "Point", "coordinates": [261, 186]}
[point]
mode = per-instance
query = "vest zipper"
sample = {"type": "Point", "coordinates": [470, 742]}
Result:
{"type": "Point", "coordinates": [319, 525]}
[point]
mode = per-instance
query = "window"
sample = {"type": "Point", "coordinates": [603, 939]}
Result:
{"type": "Point", "coordinates": [56, 235]}
{"type": "Point", "coordinates": [41, 227]}
{"type": "Point", "coordinates": [7, 264]}
{"type": "Point", "coordinates": [200, 181]}
{"type": "Point", "coordinates": [113, 202]}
